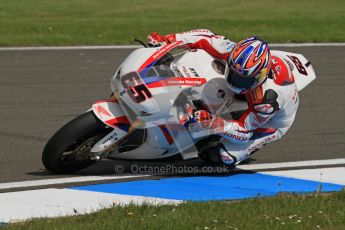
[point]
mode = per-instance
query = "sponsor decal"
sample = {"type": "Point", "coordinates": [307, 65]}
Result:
{"type": "Point", "coordinates": [102, 111]}
{"type": "Point", "coordinates": [177, 81]}
{"type": "Point", "coordinates": [235, 137]}
{"type": "Point", "coordinates": [261, 144]}
{"type": "Point", "coordinates": [185, 82]}
{"type": "Point", "coordinates": [110, 138]}
{"type": "Point", "coordinates": [194, 72]}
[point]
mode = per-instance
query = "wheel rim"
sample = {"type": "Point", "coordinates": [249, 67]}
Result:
{"type": "Point", "coordinates": [78, 153]}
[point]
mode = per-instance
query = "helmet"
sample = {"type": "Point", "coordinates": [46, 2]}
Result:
{"type": "Point", "coordinates": [248, 65]}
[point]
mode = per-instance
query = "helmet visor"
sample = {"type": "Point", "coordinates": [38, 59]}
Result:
{"type": "Point", "coordinates": [240, 81]}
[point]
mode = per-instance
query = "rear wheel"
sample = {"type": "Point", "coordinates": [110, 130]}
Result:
{"type": "Point", "coordinates": [68, 150]}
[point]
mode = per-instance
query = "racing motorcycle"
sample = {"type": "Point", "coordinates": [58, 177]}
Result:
{"type": "Point", "coordinates": [152, 90]}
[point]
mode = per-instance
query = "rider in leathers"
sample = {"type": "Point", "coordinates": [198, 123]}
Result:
{"type": "Point", "coordinates": [266, 82]}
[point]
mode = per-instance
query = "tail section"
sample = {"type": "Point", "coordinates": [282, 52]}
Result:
{"type": "Point", "coordinates": [301, 68]}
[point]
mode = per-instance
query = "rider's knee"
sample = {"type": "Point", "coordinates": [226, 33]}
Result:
{"type": "Point", "coordinates": [218, 154]}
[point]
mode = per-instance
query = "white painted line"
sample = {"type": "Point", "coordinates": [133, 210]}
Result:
{"type": "Point", "coordinates": [305, 44]}
{"type": "Point", "coordinates": [293, 164]}
{"type": "Point", "coordinates": [34, 183]}
{"type": "Point", "coordinates": [69, 47]}
{"type": "Point", "coordinates": [330, 175]}
{"type": "Point", "coordinates": [138, 46]}
{"type": "Point", "coordinates": [19, 206]}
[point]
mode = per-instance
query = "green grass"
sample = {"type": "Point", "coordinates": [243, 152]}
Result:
{"type": "Point", "coordinates": [91, 22]}
{"type": "Point", "coordinates": [326, 211]}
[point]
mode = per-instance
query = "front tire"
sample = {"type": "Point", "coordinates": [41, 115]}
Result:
{"type": "Point", "coordinates": [68, 150]}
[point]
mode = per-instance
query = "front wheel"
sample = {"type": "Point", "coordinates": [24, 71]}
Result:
{"type": "Point", "coordinates": [68, 150]}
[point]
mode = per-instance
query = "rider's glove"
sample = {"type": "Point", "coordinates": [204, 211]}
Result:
{"type": "Point", "coordinates": [154, 39]}
{"type": "Point", "coordinates": [202, 119]}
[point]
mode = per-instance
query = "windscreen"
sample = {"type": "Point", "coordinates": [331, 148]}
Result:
{"type": "Point", "coordinates": [164, 67]}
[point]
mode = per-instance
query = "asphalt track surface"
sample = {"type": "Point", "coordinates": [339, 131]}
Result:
{"type": "Point", "coordinates": [40, 90]}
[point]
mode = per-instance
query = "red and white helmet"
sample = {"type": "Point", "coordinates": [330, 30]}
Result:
{"type": "Point", "coordinates": [249, 64]}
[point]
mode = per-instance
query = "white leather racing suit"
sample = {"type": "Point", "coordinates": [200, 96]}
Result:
{"type": "Point", "coordinates": [271, 107]}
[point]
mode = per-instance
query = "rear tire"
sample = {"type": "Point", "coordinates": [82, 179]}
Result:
{"type": "Point", "coordinates": [68, 150]}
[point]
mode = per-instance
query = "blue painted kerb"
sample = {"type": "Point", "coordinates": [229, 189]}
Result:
{"type": "Point", "coordinates": [203, 188]}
